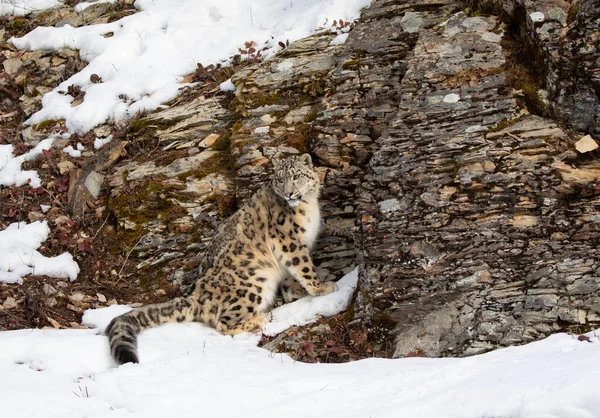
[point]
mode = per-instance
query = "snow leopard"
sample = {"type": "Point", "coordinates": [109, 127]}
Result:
{"type": "Point", "coordinates": [265, 242]}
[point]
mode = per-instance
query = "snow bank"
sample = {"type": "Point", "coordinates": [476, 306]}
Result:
{"type": "Point", "coordinates": [142, 58]}
{"type": "Point", "coordinates": [10, 166]}
{"type": "Point", "coordinates": [101, 317]}
{"type": "Point", "coordinates": [190, 370]}
{"type": "Point", "coordinates": [18, 244]}
{"type": "Point", "coordinates": [310, 308]}
{"type": "Point", "coordinates": [24, 7]}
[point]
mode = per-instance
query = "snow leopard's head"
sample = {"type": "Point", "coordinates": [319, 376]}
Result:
{"type": "Point", "coordinates": [294, 178]}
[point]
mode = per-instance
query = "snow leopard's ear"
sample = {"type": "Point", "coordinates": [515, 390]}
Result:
{"type": "Point", "coordinates": [305, 158]}
{"type": "Point", "coordinates": [276, 160]}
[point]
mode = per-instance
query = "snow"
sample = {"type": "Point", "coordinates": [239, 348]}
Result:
{"type": "Point", "coordinates": [80, 7]}
{"type": "Point", "coordinates": [101, 317]}
{"type": "Point", "coordinates": [100, 142]}
{"type": "Point", "coordinates": [340, 39]}
{"type": "Point", "coordinates": [24, 7]}
{"type": "Point", "coordinates": [227, 85]}
{"type": "Point", "coordinates": [306, 310]}
{"type": "Point", "coordinates": [190, 370]}
{"type": "Point", "coordinates": [75, 153]}
{"type": "Point", "coordinates": [18, 244]}
{"type": "Point", "coordinates": [149, 53]}
{"type": "Point", "coordinates": [10, 166]}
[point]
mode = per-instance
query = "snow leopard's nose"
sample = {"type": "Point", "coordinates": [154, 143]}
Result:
{"type": "Point", "coordinates": [288, 195]}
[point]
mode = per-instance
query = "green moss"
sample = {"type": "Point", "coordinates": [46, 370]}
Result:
{"type": "Point", "coordinates": [17, 25]}
{"type": "Point", "coordinates": [143, 203]}
{"type": "Point", "coordinates": [223, 143]}
{"type": "Point", "coordinates": [299, 138]}
{"type": "Point", "coordinates": [352, 64]}
{"type": "Point", "coordinates": [524, 67]}
{"type": "Point", "coordinates": [48, 124]}
{"type": "Point", "coordinates": [483, 8]}
{"type": "Point", "coordinates": [145, 126]}
{"type": "Point", "coordinates": [312, 115]}
{"type": "Point", "coordinates": [572, 13]}
{"type": "Point", "coordinates": [217, 163]}
{"type": "Point", "coordinates": [236, 128]}
{"type": "Point", "coordinates": [532, 99]}
{"type": "Point", "coordinates": [264, 100]}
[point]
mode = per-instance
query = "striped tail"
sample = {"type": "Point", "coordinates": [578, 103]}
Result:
{"type": "Point", "coordinates": [123, 330]}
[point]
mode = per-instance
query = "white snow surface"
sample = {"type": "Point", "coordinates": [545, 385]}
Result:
{"type": "Point", "coordinates": [10, 166]}
{"type": "Point", "coordinates": [227, 85]}
{"type": "Point", "coordinates": [149, 52]}
{"type": "Point", "coordinates": [190, 370]}
{"type": "Point", "coordinates": [306, 310]}
{"type": "Point", "coordinates": [340, 39]}
{"type": "Point", "coordinates": [80, 7]}
{"type": "Point", "coordinates": [24, 7]}
{"type": "Point", "coordinates": [75, 153]}
{"type": "Point", "coordinates": [18, 245]}
{"type": "Point", "coordinates": [100, 142]}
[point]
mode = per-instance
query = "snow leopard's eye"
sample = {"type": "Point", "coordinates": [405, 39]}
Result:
{"type": "Point", "coordinates": [279, 180]}
{"type": "Point", "coordinates": [296, 177]}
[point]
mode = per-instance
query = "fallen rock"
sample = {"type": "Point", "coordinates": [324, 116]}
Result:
{"type": "Point", "coordinates": [586, 144]}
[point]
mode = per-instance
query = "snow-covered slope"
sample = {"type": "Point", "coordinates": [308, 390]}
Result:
{"type": "Point", "coordinates": [19, 256]}
{"type": "Point", "coordinates": [142, 58]}
{"type": "Point", "coordinates": [24, 7]}
{"type": "Point", "coordinates": [188, 370]}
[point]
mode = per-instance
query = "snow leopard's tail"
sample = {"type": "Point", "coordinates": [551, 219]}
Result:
{"type": "Point", "coordinates": [123, 330]}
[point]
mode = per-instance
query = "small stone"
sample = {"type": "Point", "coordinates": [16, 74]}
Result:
{"type": "Point", "coordinates": [12, 65]}
{"type": "Point", "coordinates": [102, 131]}
{"type": "Point", "coordinates": [101, 297]}
{"type": "Point", "coordinates": [10, 303]}
{"type": "Point", "coordinates": [586, 144]}
{"type": "Point", "coordinates": [491, 37]}
{"type": "Point", "coordinates": [297, 115]}
{"type": "Point", "coordinates": [65, 166]}
{"type": "Point", "coordinates": [390, 205]}
{"type": "Point", "coordinates": [558, 14]}
{"type": "Point", "coordinates": [208, 141]}
{"type": "Point", "coordinates": [49, 289]}
{"type": "Point", "coordinates": [76, 297]}
{"type": "Point", "coordinates": [537, 17]}
{"type": "Point", "coordinates": [54, 322]}
{"type": "Point", "coordinates": [268, 119]}
{"type": "Point", "coordinates": [451, 98]}
{"type": "Point", "coordinates": [262, 130]}
{"type": "Point", "coordinates": [411, 22]}
{"type": "Point", "coordinates": [61, 220]}
{"type": "Point", "coordinates": [93, 183]}
{"type": "Point", "coordinates": [35, 216]}
{"type": "Point", "coordinates": [112, 302]}
{"type": "Point", "coordinates": [73, 308]}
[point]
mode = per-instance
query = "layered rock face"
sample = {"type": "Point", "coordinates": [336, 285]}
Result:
{"type": "Point", "coordinates": [478, 222]}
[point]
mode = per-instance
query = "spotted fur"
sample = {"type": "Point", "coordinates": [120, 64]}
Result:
{"type": "Point", "coordinates": [266, 241]}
